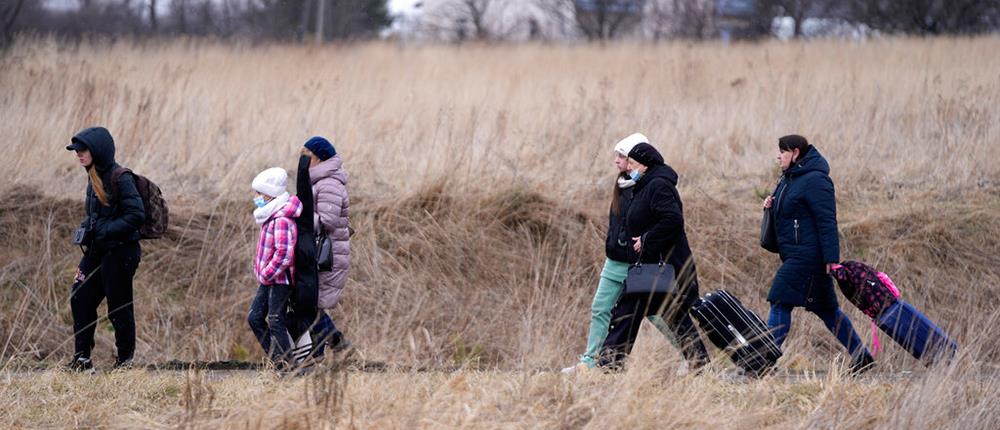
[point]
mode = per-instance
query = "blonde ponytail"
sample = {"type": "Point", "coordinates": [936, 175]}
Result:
{"type": "Point", "coordinates": [97, 185]}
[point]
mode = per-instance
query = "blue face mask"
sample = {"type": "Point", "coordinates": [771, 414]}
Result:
{"type": "Point", "coordinates": [635, 174]}
{"type": "Point", "coordinates": [259, 201]}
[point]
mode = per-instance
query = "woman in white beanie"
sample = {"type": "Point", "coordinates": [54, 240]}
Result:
{"type": "Point", "coordinates": [616, 246]}
{"type": "Point", "coordinates": [274, 265]}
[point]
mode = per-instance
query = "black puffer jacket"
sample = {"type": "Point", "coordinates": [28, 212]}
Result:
{"type": "Point", "coordinates": [618, 242]}
{"type": "Point", "coordinates": [119, 222]}
{"type": "Point", "coordinates": [657, 215]}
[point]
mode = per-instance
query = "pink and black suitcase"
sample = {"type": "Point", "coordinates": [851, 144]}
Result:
{"type": "Point", "coordinates": [875, 294]}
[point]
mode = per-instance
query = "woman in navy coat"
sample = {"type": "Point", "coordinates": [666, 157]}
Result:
{"type": "Point", "coordinates": [804, 208]}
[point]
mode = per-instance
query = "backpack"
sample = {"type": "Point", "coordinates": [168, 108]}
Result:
{"type": "Point", "coordinates": [157, 214]}
{"type": "Point", "coordinates": [868, 289]}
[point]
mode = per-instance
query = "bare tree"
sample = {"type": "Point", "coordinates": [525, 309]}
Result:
{"type": "Point", "coordinates": [969, 16]}
{"type": "Point", "coordinates": [693, 18]}
{"type": "Point", "coordinates": [595, 19]}
{"type": "Point", "coordinates": [762, 18]}
{"type": "Point", "coordinates": [797, 10]}
{"type": "Point", "coordinates": [9, 10]}
{"type": "Point", "coordinates": [207, 19]}
{"type": "Point", "coordinates": [660, 19]}
{"type": "Point", "coordinates": [476, 11]}
{"type": "Point", "coordinates": [179, 14]}
{"type": "Point", "coordinates": [352, 19]}
{"type": "Point", "coordinates": [559, 14]}
{"type": "Point", "coordinates": [927, 16]}
{"type": "Point", "coordinates": [606, 19]}
{"type": "Point", "coordinates": [688, 19]}
{"type": "Point", "coordinates": [461, 19]}
{"type": "Point", "coordinates": [320, 20]}
{"type": "Point", "coordinates": [152, 16]}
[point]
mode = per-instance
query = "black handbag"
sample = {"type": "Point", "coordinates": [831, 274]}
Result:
{"type": "Point", "coordinates": [324, 250]}
{"type": "Point", "coordinates": [768, 235]}
{"type": "Point", "coordinates": [650, 278]}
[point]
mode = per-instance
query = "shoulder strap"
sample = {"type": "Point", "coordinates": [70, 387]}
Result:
{"type": "Point", "coordinates": [115, 176]}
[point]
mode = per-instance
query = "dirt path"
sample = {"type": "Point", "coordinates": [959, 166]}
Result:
{"type": "Point", "coordinates": [223, 369]}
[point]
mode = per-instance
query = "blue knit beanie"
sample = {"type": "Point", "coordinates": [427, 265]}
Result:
{"type": "Point", "coordinates": [321, 147]}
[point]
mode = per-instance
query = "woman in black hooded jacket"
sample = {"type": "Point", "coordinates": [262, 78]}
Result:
{"type": "Point", "coordinates": [111, 242]}
{"type": "Point", "coordinates": [655, 222]}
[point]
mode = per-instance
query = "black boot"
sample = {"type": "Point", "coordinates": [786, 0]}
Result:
{"type": "Point", "coordinates": [81, 363]}
{"type": "Point", "coordinates": [339, 344]}
{"type": "Point", "coordinates": [123, 364]}
{"type": "Point", "coordinates": [862, 363]}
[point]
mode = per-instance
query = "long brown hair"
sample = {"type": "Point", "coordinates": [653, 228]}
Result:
{"type": "Point", "coordinates": [97, 185]}
{"type": "Point", "coordinates": [616, 196]}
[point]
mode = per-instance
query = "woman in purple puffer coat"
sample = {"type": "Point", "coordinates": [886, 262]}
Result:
{"type": "Point", "coordinates": [329, 184]}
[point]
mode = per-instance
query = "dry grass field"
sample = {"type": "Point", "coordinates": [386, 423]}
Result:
{"type": "Point", "coordinates": [480, 179]}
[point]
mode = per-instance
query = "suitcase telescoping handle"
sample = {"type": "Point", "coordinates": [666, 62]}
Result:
{"type": "Point", "coordinates": [739, 337]}
{"type": "Point", "coordinates": [740, 340]}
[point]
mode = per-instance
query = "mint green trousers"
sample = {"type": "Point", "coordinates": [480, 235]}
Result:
{"type": "Point", "coordinates": [609, 289]}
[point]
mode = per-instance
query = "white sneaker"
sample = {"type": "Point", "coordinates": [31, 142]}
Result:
{"type": "Point", "coordinates": [82, 365]}
{"type": "Point", "coordinates": [683, 369]}
{"type": "Point", "coordinates": [578, 368]}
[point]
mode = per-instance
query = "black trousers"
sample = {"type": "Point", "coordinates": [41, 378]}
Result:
{"type": "Point", "coordinates": [111, 279]}
{"type": "Point", "coordinates": [627, 316]}
{"type": "Point", "coordinates": [268, 319]}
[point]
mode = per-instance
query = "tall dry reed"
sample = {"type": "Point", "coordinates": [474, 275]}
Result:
{"type": "Point", "coordinates": [480, 178]}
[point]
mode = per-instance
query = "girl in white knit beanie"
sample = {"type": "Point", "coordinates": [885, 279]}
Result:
{"type": "Point", "coordinates": [274, 265]}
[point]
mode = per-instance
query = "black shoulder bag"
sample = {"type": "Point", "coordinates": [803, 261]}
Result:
{"type": "Point", "coordinates": [768, 234]}
{"type": "Point", "coordinates": [650, 278]}
{"type": "Point", "coordinates": [324, 249]}
{"type": "Point", "coordinates": [768, 237]}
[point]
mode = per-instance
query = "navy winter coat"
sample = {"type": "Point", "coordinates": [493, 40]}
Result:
{"type": "Point", "coordinates": [805, 211]}
{"type": "Point", "coordinates": [119, 222]}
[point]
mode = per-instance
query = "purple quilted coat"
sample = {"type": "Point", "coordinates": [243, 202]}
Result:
{"type": "Point", "coordinates": [329, 184]}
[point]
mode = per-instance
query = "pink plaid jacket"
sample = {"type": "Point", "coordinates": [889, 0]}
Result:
{"type": "Point", "coordinates": [274, 264]}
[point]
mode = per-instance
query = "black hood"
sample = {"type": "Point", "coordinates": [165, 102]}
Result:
{"type": "Point", "coordinates": [660, 171]}
{"type": "Point", "coordinates": [101, 145]}
{"type": "Point", "coordinates": [812, 161]}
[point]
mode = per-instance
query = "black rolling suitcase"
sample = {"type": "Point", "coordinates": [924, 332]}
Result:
{"type": "Point", "coordinates": [738, 331]}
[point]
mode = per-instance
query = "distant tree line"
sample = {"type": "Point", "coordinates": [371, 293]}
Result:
{"type": "Point", "coordinates": [490, 20]}
{"type": "Point", "coordinates": [282, 20]}
{"type": "Point", "coordinates": [917, 17]}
